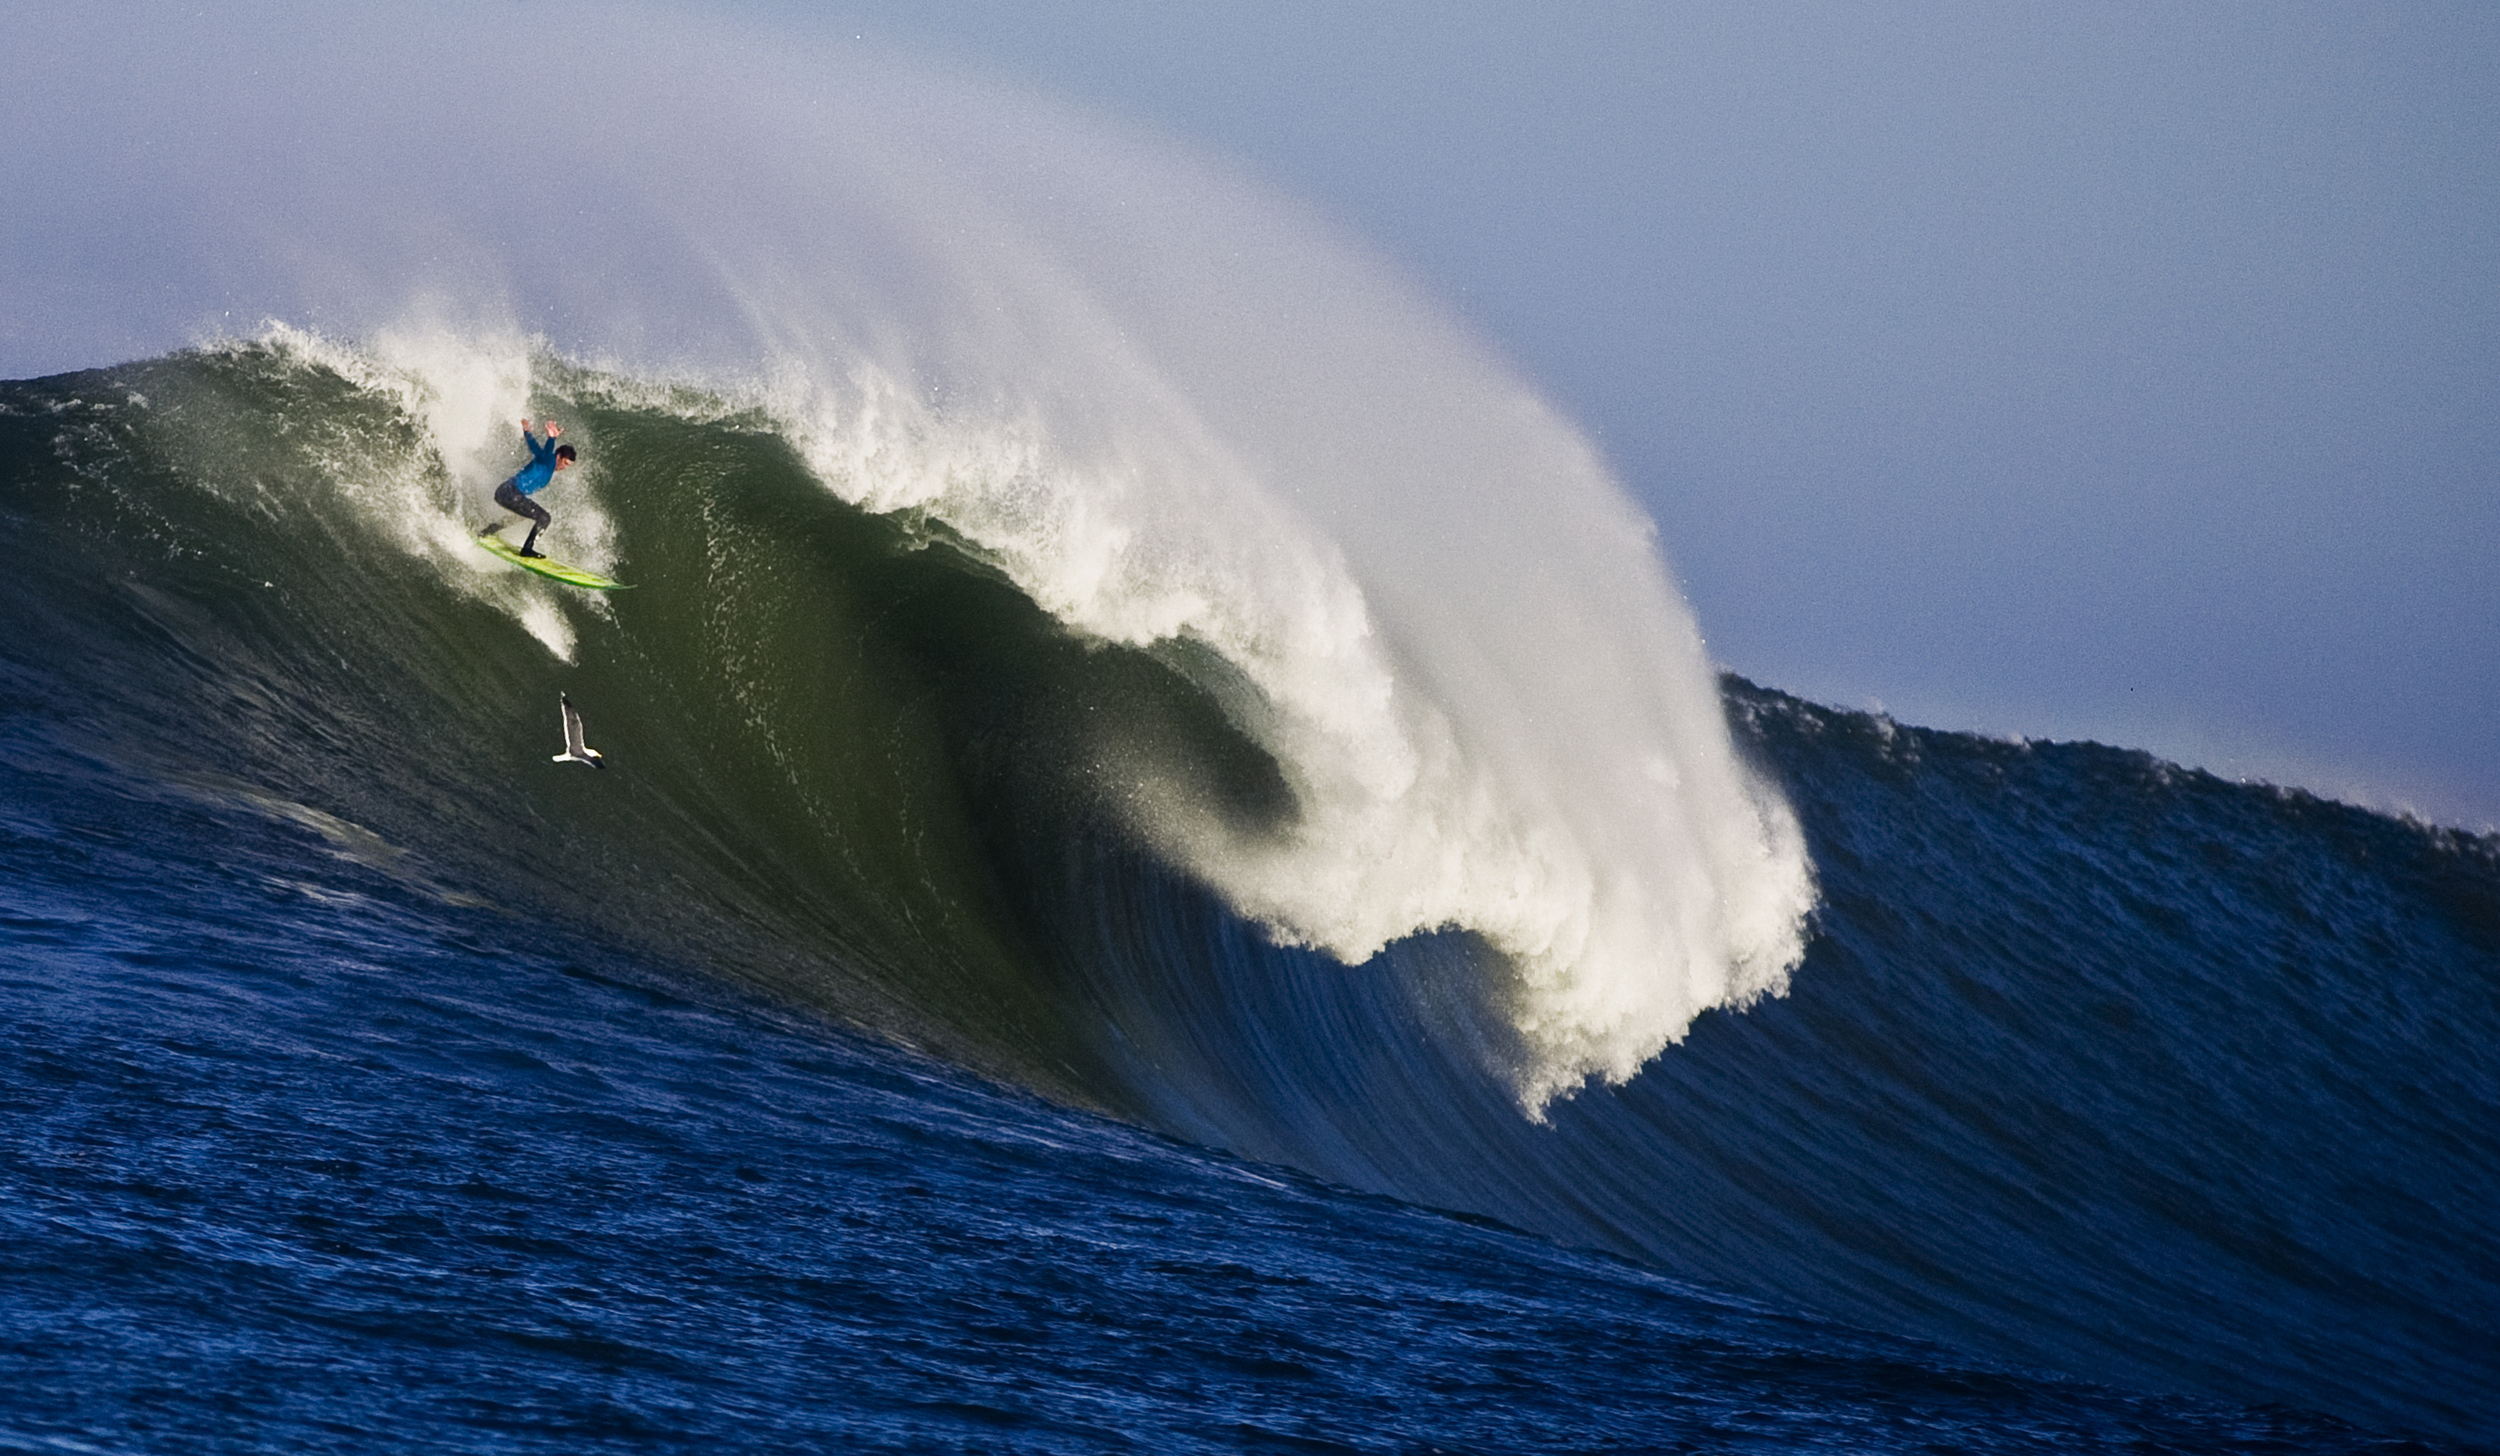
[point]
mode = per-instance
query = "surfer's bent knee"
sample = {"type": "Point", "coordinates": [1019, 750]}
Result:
{"type": "Point", "coordinates": [510, 498]}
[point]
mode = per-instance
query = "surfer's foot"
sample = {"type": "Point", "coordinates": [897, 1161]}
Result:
{"type": "Point", "coordinates": [532, 555]}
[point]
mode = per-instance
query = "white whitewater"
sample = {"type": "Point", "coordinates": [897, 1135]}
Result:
{"type": "Point", "coordinates": [1171, 405]}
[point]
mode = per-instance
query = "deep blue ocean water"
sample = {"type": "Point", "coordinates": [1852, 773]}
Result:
{"type": "Point", "coordinates": [372, 1083]}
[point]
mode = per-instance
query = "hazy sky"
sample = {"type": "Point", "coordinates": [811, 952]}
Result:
{"type": "Point", "coordinates": [2128, 372]}
{"type": "Point", "coordinates": [2115, 371]}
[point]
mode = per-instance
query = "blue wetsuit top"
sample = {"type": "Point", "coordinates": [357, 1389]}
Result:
{"type": "Point", "coordinates": [541, 469]}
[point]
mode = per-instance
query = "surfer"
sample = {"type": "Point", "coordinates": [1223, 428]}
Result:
{"type": "Point", "coordinates": [546, 458]}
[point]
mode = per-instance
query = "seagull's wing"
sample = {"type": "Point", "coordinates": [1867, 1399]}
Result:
{"type": "Point", "coordinates": [575, 751]}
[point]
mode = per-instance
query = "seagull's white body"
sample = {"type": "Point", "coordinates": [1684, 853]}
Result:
{"type": "Point", "coordinates": [575, 751]}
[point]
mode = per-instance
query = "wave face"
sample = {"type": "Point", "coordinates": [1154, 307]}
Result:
{"type": "Point", "coordinates": [1094, 626]}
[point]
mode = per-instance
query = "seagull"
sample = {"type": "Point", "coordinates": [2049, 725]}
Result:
{"type": "Point", "coordinates": [575, 751]}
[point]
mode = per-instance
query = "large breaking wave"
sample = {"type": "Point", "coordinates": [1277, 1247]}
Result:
{"type": "Point", "coordinates": [1178, 416]}
{"type": "Point", "coordinates": [1093, 624]}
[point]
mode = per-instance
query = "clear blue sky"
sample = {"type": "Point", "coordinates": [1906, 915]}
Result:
{"type": "Point", "coordinates": [2116, 371]}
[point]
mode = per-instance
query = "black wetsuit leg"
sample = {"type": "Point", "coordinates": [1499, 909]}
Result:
{"type": "Point", "coordinates": [508, 496]}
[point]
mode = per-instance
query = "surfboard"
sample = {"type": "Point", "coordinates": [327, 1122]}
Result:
{"type": "Point", "coordinates": [548, 566]}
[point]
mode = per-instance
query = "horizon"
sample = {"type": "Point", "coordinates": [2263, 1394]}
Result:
{"type": "Point", "coordinates": [2124, 375]}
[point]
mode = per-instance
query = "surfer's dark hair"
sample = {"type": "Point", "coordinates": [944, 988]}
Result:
{"type": "Point", "coordinates": [564, 452]}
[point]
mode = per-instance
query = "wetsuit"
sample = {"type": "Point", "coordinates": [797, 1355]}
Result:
{"type": "Point", "coordinates": [514, 494]}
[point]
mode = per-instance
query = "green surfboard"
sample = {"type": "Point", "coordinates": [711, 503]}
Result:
{"type": "Point", "coordinates": [549, 567]}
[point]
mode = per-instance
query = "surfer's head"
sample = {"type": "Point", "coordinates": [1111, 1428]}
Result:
{"type": "Point", "coordinates": [564, 456]}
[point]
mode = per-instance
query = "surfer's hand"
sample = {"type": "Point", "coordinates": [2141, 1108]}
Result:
{"type": "Point", "coordinates": [554, 429]}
